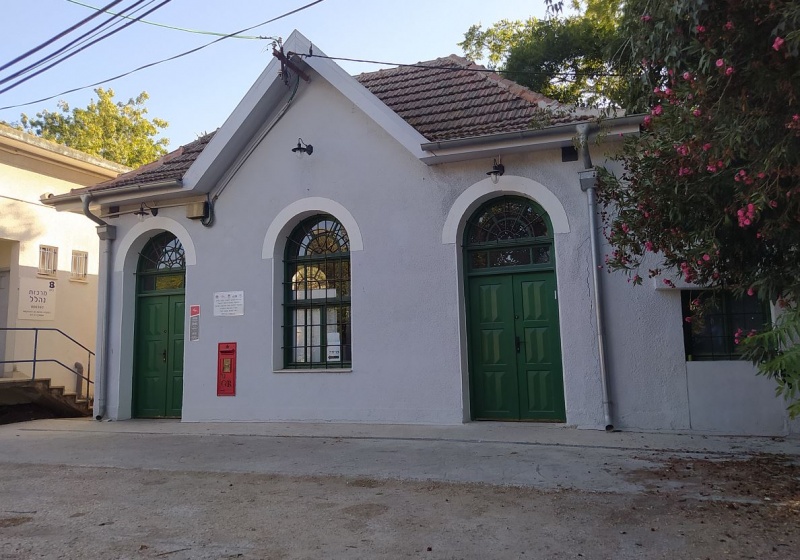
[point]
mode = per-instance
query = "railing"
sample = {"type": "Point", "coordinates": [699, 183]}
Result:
{"type": "Point", "coordinates": [76, 370]}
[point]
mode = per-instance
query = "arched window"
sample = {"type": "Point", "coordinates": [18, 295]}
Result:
{"type": "Point", "coordinates": [317, 295]}
{"type": "Point", "coordinates": [162, 264]}
{"type": "Point", "coordinates": [506, 232]}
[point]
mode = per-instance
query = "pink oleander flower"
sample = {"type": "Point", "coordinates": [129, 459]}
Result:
{"type": "Point", "coordinates": [706, 257]}
{"type": "Point", "coordinates": [729, 70]}
{"type": "Point", "coordinates": [778, 43]}
{"type": "Point", "coordinates": [750, 291]}
{"type": "Point", "coordinates": [687, 76]}
{"type": "Point", "coordinates": [701, 28]}
{"type": "Point", "coordinates": [697, 112]}
{"type": "Point", "coordinates": [707, 146]}
{"type": "Point", "coordinates": [657, 110]}
{"type": "Point", "coordinates": [728, 26]}
{"type": "Point", "coordinates": [720, 63]}
{"type": "Point", "coordinates": [648, 245]}
{"type": "Point", "coordinates": [647, 120]}
{"type": "Point", "coordinates": [645, 18]}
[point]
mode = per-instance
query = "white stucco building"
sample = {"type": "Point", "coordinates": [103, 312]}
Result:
{"type": "Point", "coordinates": [48, 259]}
{"type": "Point", "coordinates": [406, 246]}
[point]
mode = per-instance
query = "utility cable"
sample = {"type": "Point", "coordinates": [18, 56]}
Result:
{"type": "Point", "coordinates": [194, 50]}
{"type": "Point", "coordinates": [70, 55]}
{"type": "Point", "coordinates": [66, 48]}
{"type": "Point", "coordinates": [451, 68]}
{"type": "Point", "coordinates": [57, 37]}
{"type": "Point", "coordinates": [165, 26]}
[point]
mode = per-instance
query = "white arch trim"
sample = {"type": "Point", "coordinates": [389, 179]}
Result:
{"type": "Point", "coordinates": [304, 206]}
{"type": "Point", "coordinates": [506, 185]}
{"type": "Point", "coordinates": [155, 223]}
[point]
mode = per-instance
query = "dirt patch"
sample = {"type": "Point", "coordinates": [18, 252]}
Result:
{"type": "Point", "coordinates": [759, 479]}
{"type": "Point", "coordinates": [199, 515]}
{"type": "Point", "coordinates": [14, 521]}
{"type": "Point", "coordinates": [11, 414]}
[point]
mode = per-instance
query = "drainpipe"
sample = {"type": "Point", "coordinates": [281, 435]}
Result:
{"type": "Point", "coordinates": [107, 234]}
{"type": "Point", "coordinates": [589, 186]}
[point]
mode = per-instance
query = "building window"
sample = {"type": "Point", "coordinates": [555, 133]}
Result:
{"type": "Point", "coordinates": [79, 269]}
{"type": "Point", "coordinates": [48, 260]}
{"type": "Point", "coordinates": [317, 295]}
{"type": "Point", "coordinates": [508, 232]}
{"type": "Point", "coordinates": [713, 338]}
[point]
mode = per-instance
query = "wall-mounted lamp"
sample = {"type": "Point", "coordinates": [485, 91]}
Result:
{"type": "Point", "coordinates": [303, 148]}
{"type": "Point", "coordinates": [145, 210]}
{"type": "Point", "coordinates": [497, 170]}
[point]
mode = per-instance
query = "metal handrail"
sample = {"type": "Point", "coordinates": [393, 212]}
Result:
{"type": "Point", "coordinates": [35, 360]}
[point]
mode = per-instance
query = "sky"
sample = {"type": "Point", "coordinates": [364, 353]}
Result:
{"type": "Point", "coordinates": [196, 93]}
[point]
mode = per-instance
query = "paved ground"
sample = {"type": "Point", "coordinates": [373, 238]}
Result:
{"type": "Point", "coordinates": [153, 489]}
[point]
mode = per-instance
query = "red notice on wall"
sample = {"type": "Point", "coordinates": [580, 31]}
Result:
{"type": "Point", "coordinates": [226, 369]}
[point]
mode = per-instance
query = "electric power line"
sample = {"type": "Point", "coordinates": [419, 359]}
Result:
{"type": "Point", "coordinates": [165, 26]}
{"type": "Point", "coordinates": [564, 75]}
{"type": "Point", "coordinates": [87, 45]}
{"type": "Point", "coordinates": [57, 37]}
{"type": "Point", "coordinates": [151, 64]}
{"type": "Point", "coordinates": [65, 48]}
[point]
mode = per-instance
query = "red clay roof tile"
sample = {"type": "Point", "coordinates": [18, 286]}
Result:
{"type": "Point", "coordinates": [442, 99]}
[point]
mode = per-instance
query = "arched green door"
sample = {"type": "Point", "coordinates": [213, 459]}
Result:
{"type": "Point", "coordinates": [514, 343]}
{"type": "Point", "coordinates": [160, 311]}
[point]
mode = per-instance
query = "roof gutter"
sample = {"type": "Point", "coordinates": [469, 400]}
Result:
{"type": "Point", "coordinates": [107, 234]}
{"type": "Point", "coordinates": [73, 197]}
{"type": "Point", "coordinates": [459, 149]}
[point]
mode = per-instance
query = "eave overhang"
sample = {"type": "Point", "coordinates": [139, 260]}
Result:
{"type": "Point", "coordinates": [126, 194]}
{"type": "Point", "coordinates": [558, 136]}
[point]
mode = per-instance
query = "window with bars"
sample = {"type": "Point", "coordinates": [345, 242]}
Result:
{"type": "Point", "coordinates": [79, 268]}
{"type": "Point", "coordinates": [714, 337]}
{"type": "Point", "coordinates": [48, 260]}
{"type": "Point", "coordinates": [317, 295]}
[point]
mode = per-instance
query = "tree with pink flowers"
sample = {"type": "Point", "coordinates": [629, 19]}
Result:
{"type": "Point", "coordinates": [711, 188]}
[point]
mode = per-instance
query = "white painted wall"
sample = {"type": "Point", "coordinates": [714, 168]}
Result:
{"type": "Point", "coordinates": [25, 224]}
{"type": "Point", "coordinates": [408, 330]}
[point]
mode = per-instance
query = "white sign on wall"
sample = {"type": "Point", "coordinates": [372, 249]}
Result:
{"type": "Point", "coordinates": [37, 299]}
{"type": "Point", "coordinates": [228, 304]}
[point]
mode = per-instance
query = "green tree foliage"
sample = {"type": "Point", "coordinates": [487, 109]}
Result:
{"type": "Point", "coordinates": [565, 58]}
{"type": "Point", "coordinates": [711, 188]}
{"type": "Point", "coordinates": [119, 132]}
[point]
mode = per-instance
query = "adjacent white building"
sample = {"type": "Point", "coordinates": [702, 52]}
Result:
{"type": "Point", "coordinates": [407, 246]}
{"type": "Point", "coordinates": [48, 260]}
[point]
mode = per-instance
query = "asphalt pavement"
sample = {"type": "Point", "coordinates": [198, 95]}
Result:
{"type": "Point", "coordinates": [514, 454]}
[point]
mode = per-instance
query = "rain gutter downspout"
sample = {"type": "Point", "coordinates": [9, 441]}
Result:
{"type": "Point", "coordinates": [107, 234]}
{"type": "Point", "coordinates": [589, 186]}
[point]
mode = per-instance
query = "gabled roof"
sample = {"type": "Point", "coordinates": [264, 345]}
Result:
{"type": "Point", "coordinates": [431, 108]}
{"type": "Point", "coordinates": [453, 98]}
{"type": "Point", "coordinates": [167, 168]}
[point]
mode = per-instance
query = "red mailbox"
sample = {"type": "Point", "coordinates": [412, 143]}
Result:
{"type": "Point", "coordinates": [226, 369]}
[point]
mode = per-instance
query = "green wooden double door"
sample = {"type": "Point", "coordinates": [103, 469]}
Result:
{"type": "Point", "coordinates": [158, 374]}
{"type": "Point", "coordinates": [515, 353]}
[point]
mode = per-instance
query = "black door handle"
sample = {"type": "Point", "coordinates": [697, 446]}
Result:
{"type": "Point", "coordinates": [164, 355]}
{"type": "Point", "coordinates": [517, 343]}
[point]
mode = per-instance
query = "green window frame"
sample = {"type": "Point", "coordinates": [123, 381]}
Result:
{"type": "Point", "coordinates": [317, 295]}
{"type": "Point", "coordinates": [714, 337]}
{"type": "Point", "coordinates": [162, 265]}
{"type": "Point", "coordinates": [508, 234]}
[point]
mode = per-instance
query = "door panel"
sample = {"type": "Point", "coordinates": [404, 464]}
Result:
{"type": "Point", "coordinates": [175, 360]}
{"type": "Point", "coordinates": [515, 354]}
{"type": "Point", "coordinates": [158, 377]}
{"type": "Point", "coordinates": [493, 351]}
{"type": "Point", "coordinates": [541, 384]}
